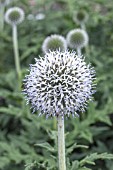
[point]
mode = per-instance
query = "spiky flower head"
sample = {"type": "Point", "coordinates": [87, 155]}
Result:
{"type": "Point", "coordinates": [60, 83]}
{"type": "Point", "coordinates": [54, 42]}
{"type": "Point", "coordinates": [77, 38]}
{"type": "Point", "coordinates": [80, 16]}
{"type": "Point", "coordinates": [14, 15]}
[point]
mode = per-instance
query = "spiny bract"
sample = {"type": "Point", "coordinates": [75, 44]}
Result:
{"type": "Point", "coordinates": [60, 83]}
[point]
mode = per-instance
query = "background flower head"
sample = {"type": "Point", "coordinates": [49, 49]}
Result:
{"type": "Point", "coordinates": [14, 15]}
{"type": "Point", "coordinates": [77, 38]}
{"type": "Point", "coordinates": [80, 16]}
{"type": "Point", "coordinates": [60, 83]}
{"type": "Point", "coordinates": [54, 42]}
{"type": "Point", "coordinates": [40, 16]}
{"type": "Point", "coordinates": [30, 17]}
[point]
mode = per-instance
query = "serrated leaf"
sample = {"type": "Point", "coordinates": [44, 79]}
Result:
{"type": "Point", "coordinates": [86, 134]}
{"type": "Point", "coordinates": [75, 165]}
{"type": "Point", "coordinates": [47, 146]}
{"type": "Point", "coordinates": [74, 146]}
{"type": "Point", "coordinates": [30, 165]}
{"type": "Point", "coordinates": [91, 158]}
{"type": "Point", "coordinates": [11, 110]}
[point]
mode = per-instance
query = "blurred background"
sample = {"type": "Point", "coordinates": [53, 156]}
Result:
{"type": "Point", "coordinates": [30, 142]}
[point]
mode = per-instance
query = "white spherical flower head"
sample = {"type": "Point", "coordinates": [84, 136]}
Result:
{"type": "Point", "coordinates": [40, 16]}
{"type": "Point", "coordinates": [77, 38]}
{"type": "Point", "coordinates": [80, 16]}
{"type": "Point", "coordinates": [53, 43]}
{"type": "Point", "coordinates": [60, 83]}
{"type": "Point", "coordinates": [30, 17]}
{"type": "Point", "coordinates": [14, 16]}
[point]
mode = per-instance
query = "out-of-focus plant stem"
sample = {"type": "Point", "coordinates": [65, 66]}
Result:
{"type": "Point", "coordinates": [16, 54]}
{"type": "Point", "coordinates": [79, 51]}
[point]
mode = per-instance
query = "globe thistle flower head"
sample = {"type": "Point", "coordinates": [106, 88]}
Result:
{"type": "Point", "coordinates": [77, 38]}
{"type": "Point", "coordinates": [30, 17]}
{"type": "Point", "coordinates": [40, 16]}
{"type": "Point", "coordinates": [14, 16]}
{"type": "Point", "coordinates": [80, 16]}
{"type": "Point", "coordinates": [53, 43]}
{"type": "Point", "coordinates": [60, 83]}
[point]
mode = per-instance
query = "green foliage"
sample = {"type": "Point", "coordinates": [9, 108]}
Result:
{"type": "Point", "coordinates": [29, 142]}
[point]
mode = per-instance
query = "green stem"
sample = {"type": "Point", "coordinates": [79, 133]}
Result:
{"type": "Point", "coordinates": [61, 144]}
{"type": "Point", "coordinates": [16, 53]}
{"type": "Point", "coordinates": [83, 26]}
{"type": "Point", "coordinates": [1, 17]}
{"type": "Point", "coordinates": [86, 47]}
